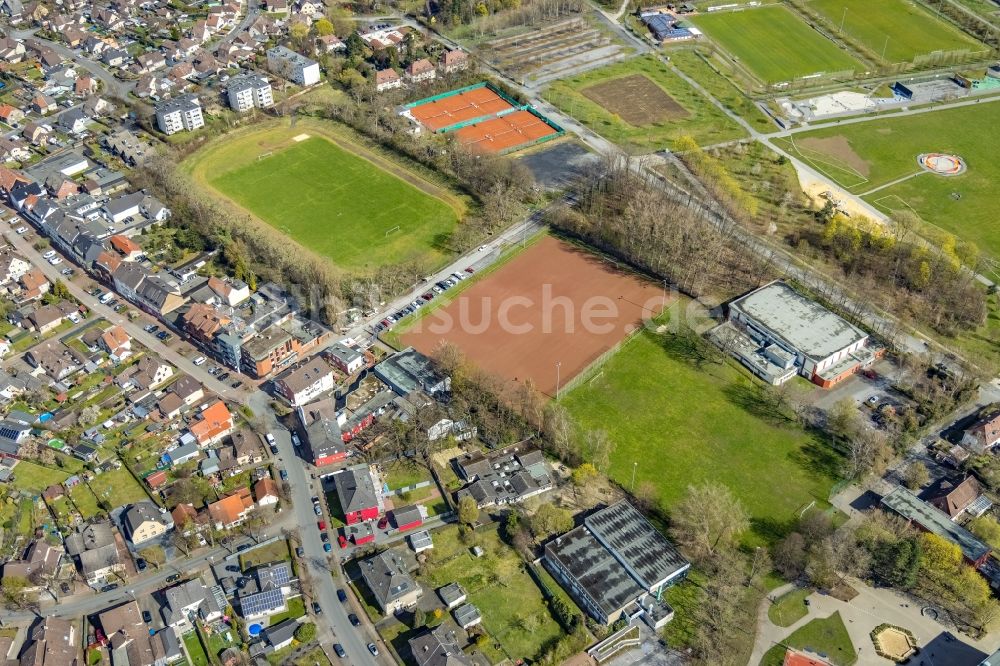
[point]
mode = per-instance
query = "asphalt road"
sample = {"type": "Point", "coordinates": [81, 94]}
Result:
{"type": "Point", "coordinates": [113, 85]}
{"type": "Point", "coordinates": [316, 561]}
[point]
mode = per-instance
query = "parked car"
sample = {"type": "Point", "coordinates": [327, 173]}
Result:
{"type": "Point", "coordinates": [317, 510]}
{"type": "Point", "coordinates": [140, 564]}
{"type": "Point", "coordinates": [322, 525]}
{"type": "Point", "coordinates": [339, 649]}
{"type": "Point", "coordinates": [283, 474]}
{"type": "Point", "coordinates": [223, 377]}
{"type": "Point", "coordinates": [270, 438]}
{"type": "Point", "coordinates": [316, 608]}
{"type": "Point", "coordinates": [173, 578]}
{"type": "Point", "coordinates": [55, 261]}
{"type": "Point", "coordinates": [342, 596]}
{"type": "Point", "coordinates": [354, 620]}
{"type": "Point", "coordinates": [21, 230]}
{"type": "Point", "coordinates": [200, 360]}
{"type": "Point", "coordinates": [470, 270]}
{"type": "Point", "coordinates": [373, 649]}
{"type": "Point", "coordinates": [295, 439]}
{"type": "Point", "coordinates": [49, 254]}
{"type": "Point", "coordinates": [147, 617]}
{"type": "Point", "coordinates": [299, 552]}
{"type": "Point", "coordinates": [67, 272]}
{"type": "Point", "coordinates": [108, 588]}
{"type": "Point", "coordinates": [383, 523]}
{"type": "Point", "coordinates": [233, 568]}
{"type": "Point", "coordinates": [324, 537]}
{"type": "Point", "coordinates": [236, 384]}
{"type": "Point", "coordinates": [327, 547]}
{"type": "Point", "coordinates": [274, 449]}
{"type": "Point", "coordinates": [243, 546]}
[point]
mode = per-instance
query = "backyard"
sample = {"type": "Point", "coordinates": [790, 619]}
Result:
{"type": "Point", "coordinates": [521, 629]}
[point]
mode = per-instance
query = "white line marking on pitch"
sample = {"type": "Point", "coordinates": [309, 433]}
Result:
{"type": "Point", "coordinates": [300, 137]}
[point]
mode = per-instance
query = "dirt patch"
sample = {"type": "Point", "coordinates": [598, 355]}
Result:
{"type": "Point", "coordinates": [840, 149]}
{"type": "Point", "coordinates": [636, 99]}
{"type": "Point", "coordinates": [554, 304]}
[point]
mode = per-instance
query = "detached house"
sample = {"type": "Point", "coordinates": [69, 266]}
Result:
{"type": "Point", "coordinates": [144, 521]}
{"type": "Point", "coordinates": [387, 79]}
{"type": "Point", "coordinates": [454, 61]}
{"type": "Point", "coordinates": [213, 424]}
{"type": "Point", "coordinates": [421, 70]}
{"type": "Point", "coordinates": [117, 343]}
{"type": "Point", "coordinates": [231, 510]}
{"type": "Point", "coordinates": [984, 433]}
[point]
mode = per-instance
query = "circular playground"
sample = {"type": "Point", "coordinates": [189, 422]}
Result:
{"type": "Point", "coordinates": [941, 163]}
{"type": "Point", "coordinates": [894, 643]}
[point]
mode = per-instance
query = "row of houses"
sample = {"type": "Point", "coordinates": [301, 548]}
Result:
{"type": "Point", "coordinates": [422, 70]}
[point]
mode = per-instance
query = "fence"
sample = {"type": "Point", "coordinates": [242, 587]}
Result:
{"type": "Point", "coordinates": [591, 368]}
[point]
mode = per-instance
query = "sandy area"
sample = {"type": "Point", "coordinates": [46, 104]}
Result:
{"type": "Point", "coordinates": [300, 137]}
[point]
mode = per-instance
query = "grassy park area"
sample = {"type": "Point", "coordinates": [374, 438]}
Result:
{"type": "Point", "coordinates": [825, 636]}
{"type": "Point", "coordinates": [789, 608]}
{"type": "Point", "coordinates": [774, 43]}
{"type": "Point", "coordinates": [903, 30]}
{"type": "Point", "coordinates": [681, 420]}
{"type": "Point", "coordinates": [641, 105]}
{"type": "Point", "coordinates": [877, 154]}
{"type": "Point", "coordinates": [329, 195]}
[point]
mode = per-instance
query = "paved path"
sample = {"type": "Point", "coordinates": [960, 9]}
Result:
{"type": "Point", "coordinates": [869, 609]}
{"type": "Point", "coordinates": [113, 85]}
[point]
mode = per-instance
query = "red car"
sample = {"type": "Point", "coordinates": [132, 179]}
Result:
{"type": "Point", "coordinates": [342, 540]}
{"type": "Point", "coordinates": [469, 270]}
{"type": "Point", "coordinates": [383, 522]}
{"type": "Point", "coordinates": [322, 525]}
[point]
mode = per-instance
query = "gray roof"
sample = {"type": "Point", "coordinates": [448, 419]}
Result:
{"type": "Point", "coordinates": [387, 577]}
{"type": "Point", "coordinates": [289, 55]}
{"type": "Point", "coordinates": [405, 515]}
{"type": "Point", "coordinates": [800, 322]}
{"type": "Point", "coordinates": [647, 554]}
{"type": "Point", "coordinates": [190, 593]}
{"type": "Point", "coordinates": [123, 203]}
{"type": "Point", "coordinates": [181, 103]}
{"type": "Point", "coordinates": [246, 82]}
{"type": "Point", "coordinates": [438, 647]}
{"type": "Point", "coordinates": [282, 632]}
{"type": "Point", "coordinates": [466, 614]}
{"type": "Point", "coordinates": [409, 371]}
{"type": "Point", "coordinates": [911, 507]}
{"type": "Point", "coordinates": [138, 513]}
{"type": "Point", "coordinates": [594, 568]}
{"type": "Point", "coordinates": [451, 593]}
{"type": "Point", "coordinates": [344, 353]}
{"type": "Point", "coordinates": [355, 489]}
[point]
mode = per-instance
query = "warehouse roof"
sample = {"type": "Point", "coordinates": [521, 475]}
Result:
{"type": "Point", "coordinates": [801, 322]}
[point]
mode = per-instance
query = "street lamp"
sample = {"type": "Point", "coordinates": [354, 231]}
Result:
{"type": "Point", "coordinates": [634, 466]}
{"type": "Point", "coordinates": [558, 364]}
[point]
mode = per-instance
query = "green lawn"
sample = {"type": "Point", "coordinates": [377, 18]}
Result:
{"type": "Point", "coordinates": [827, 637]}
{"type": "Point", "coordinates": [85, 500]}
{"type": "Point", "coordinates": [195, 650]}
{"type": "Point", "coordinates": [705, 122]}
{"type": "Point", "coordinates": [911, 30]}
{"type": "Point", "coordinates": [688, 61]}
{"type": "Point", "coordinates": [887, 149]}
{"type": "Point", "coordinates": [791, 606]}
{"type": "Point", "coordinates": [684, 424]}
{"type": "Point", "coordinates": [329, 200]}
{"type": "Point", "coordinates": [32, 477]}
{"type": "Point", "coordinates": [404, 473]}
{"type": "Point", "coordinates": [118, 487]}
{"type": "Point", "coordinates": [296, 608]}
{"type": "Point", "coordinates": [272, 552]}
{"type": "Point", "coordinates": [774, 43]}
{"type": "Point", "coordinates": [492, 583]}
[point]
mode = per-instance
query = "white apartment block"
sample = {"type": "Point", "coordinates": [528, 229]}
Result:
{"type": "Point", "coordinates": [292, 66]}
{"type": "Point", "coordinates": [249, 91]}
{"type": "Point", "coordinates": [179, 114]}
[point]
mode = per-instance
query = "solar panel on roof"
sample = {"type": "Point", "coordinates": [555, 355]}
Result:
{"type": "Point", "coordinates": [262, 602]}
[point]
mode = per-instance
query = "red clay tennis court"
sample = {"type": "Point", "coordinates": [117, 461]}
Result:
{"type": "Point", "coordinates": [506, 132]}
{"type": "Point", "coordinates": [460, 107]}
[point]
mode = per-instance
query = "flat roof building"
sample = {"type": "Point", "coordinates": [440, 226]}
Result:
{"type": "Point", "coordinates": [179, 113]}
{"type": "Point", "coordinates": [617, 564]}
{"type": "Point", "coordinates": [925, 516]}
{"type": "Point", "coordinates": [292, 66]}
{"type": "Point", "coordinates": [249, 91]}
{"type": "Point", "coordinates": [790, 330]}
{"type": "Point", "coordinates": [408, 371]}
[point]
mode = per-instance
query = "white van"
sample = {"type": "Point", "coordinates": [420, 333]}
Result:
{"type": "Point", "coordinates": [107, 297]}
{"type": "Point", "coordinates": [200, 360]}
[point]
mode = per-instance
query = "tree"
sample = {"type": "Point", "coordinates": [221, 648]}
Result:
{"type": "Point", "coordinates": [323, 27]}
{"type": "Point", "coordinates": [916, 475]}
{"type": "Point", "coordinates": [599, 449]}
{"type": "Point", "coordinates": [305, 632]}
{"type": "Point", "coordinates": [986, 528]}
{"type": "Point", "coordinates": [584, 474]}
{"type": "Point", "coordinates": [468, 510]}
{"type": "Point", "coordinates": [558, 429]}
{"type": "Point", "coordinates": [15, 592]}
{"type": "Point", "coordinates": [708, 519]}
{"type": "Point", "coordinates": [895, 564]}
{"type": "Point", "coordinates": [154, 555]}
{"type": "Point", "coordinates": [550, 519]}
{"type": "Point", "coordinates": [790, 556]}
{"type": "Point", "coordinates": [419, 618]}
{"type": "Point", "coordinates": [60, 290]}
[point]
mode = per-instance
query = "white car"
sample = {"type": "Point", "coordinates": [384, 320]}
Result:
{"type": "Point", "coordinates": [270, 438]}
{"type": "Point", "coordinates": [49, 254]}
{"type": "Point", "coordinates": [73, 317]}
{"type": "Point", "coordinates": [200, 360]}
{"type": "Point", "coordinates": [21, 229]}
{"type": "Point", "coordinates": [55, 261]}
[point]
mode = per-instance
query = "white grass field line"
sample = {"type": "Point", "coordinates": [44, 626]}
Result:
{"type": "Point", "coordinates": [816, 159]}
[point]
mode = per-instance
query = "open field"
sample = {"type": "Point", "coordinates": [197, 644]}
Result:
{"type": "Point", "coordinates": [703, 121]}
{"type": "Point", "coordinates": [827, 636]}
{"type": "Point", "coordinates": [864, 156]}
{"type": "Point", "coordinates": [688, 61]}
{"type": "Point", "coordinates": [539, 310]}
{"type": "Point", "coordinates": [492, 582]}
{"type": "Point", "coordinates": [910, 29]}
{"type": "Point", "coordinates": [636, 99]}
{"type": "Point", "coordinates": [332, 197]}
{"type": "Point", "coordinates": [686, 420]}
{"type": "Point", "coordinates": [775, 44]}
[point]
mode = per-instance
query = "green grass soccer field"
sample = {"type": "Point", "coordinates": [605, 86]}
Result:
{"type": "Point", "coordinates": [333, 202]}
{"type": "Point", "coordinates": [966, 205]}
{"type": "Point", "coordinates": [774, 44]}
{"type": "Point", "coordinates": [910, 29]}
{"type": "Point", "coordinates": [684, 424]}
{"type": "Point", "coordinates": [704, 122]}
